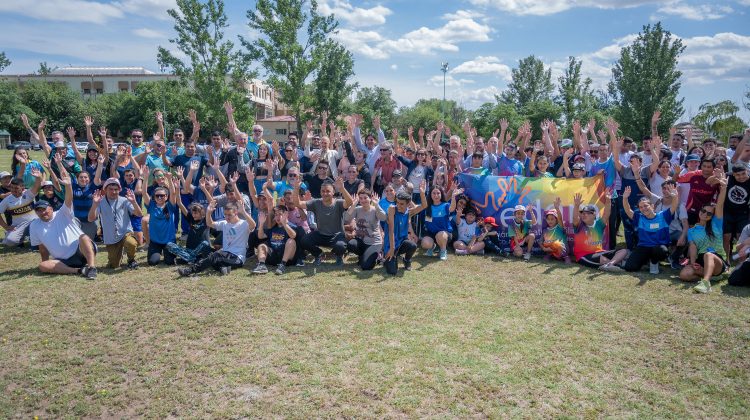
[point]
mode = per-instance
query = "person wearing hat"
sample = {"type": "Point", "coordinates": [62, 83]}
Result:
{"type": "Point", "coordinates": [400, 184]}
{"type": "Point", "coordinates": [115, 212]}
{"type": "Point", "coordinates": [384, 168]}
{"type": "Point", "coordinates": [19, 205]}
{"type": "Point", "coordinates": [519, 231]}
{"type": "Point", "coordinates": [63, 246]}
{"type": "Point", "coordinates": [491, 235]}
{"type": "Point", "coordinates": [49, 193]}
{"type": "Point", "coordinates": [589, 233]}
{"type": "Point", "coordinates": [554, 238]}
{"type": "Point", "coordinates": [737, 204]}
{"type": "Point", "coordinates": [5, 178]}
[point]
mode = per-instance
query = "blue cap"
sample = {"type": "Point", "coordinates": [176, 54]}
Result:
{"type": "Point", "coordinates": [692, 157]}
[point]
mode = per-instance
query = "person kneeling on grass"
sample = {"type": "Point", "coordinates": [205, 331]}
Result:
{"type": "Point", "coordinates": [235, 233]}
{"type": "Point", "coordinates": [398, 230]}
{"type": "Point", "coordinates": [277, 246]}
{"type": "Point", "coordinates": [469, 241]}
{"type": "Point", "coordinates": [588, 239]}
{"type": "Point", "coordinates": [652, 229]}
{"type": "Point", "coordinates": [706, 249]}
{"type": "Point", "coordinates": [554, 239]}
{"type": "Point", "coordinates": [198, 244]}
{"type": "Point", "coordinates": [519, 231]}
{"type": "Point", "coordinates": [741, 274]}
{"type": "Point", "coordinates": [63, 246]}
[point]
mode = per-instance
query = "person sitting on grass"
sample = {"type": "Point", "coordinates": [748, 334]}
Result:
{"type": "Point", "coordinates": [198, 244]}
{"type": "Point", "coordinates": [554, 238]}
{"type": "Point", "coordinates": [368, 239]}
{"type": "Point", "coordinates": [162, 226]}
{"type": "Point", "coordinates": [588, 242]}
{"type": "Point", "coordinates": [115, 212]}
{"type": "Point", "coordinates": [235, 232]}
{"type": "Point", "coordinates": [468, 233]}
{"type": "Point", "coordinates": [706, 249]}
{"type": "Point", "coordinates": [277, 246]}
{"type": "Point", "coordinates": [491, 236]}
{"type": "Point", "coordinates": [397, 240]}
{"type": "Point", "coordinates": [519, 231]}
{"type": "Point", "coordinates": [741, 274]}
{"type": "Point", "coordinates": [19, 206]}
{"type": "Point", "coordinates": [438, 229]}
{"type": "Point", "coordinates": [63, 246]}
{"type": "Point", "coordinates": [652, 229]}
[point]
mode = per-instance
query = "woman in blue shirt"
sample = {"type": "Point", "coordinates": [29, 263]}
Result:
{"type": "Point", "coordinates": [438, 229]}
{"type": "Point", "coordinates": [162, 212]}
{"type": "Point", "coordinates": [83, 199]}
{"type": "Point", "coordinates": [652, 230]}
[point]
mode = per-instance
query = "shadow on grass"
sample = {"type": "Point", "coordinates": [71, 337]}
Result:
{"type": "Point", "coordinates": [8, 275]}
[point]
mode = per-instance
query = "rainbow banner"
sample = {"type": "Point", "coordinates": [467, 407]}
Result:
{"type": "Point", "coordinates": [495, 196]}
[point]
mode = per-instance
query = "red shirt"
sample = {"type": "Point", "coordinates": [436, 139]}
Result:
{"type": "Point", "coordinates": [387, 168]}
{"type": "Point", "coordinates": [701, 193]}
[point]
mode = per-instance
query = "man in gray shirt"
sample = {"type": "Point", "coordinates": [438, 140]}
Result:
{"type": "Point", "coordinates": [115, 212]}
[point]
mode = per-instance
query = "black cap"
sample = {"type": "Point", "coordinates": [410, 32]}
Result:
{"type": "Point", "coordinates": [41, 204]}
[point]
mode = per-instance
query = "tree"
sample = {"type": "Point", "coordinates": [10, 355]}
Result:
{"type": "Point", "coordinates": [55, 101]}
{"type": "Point", "coordinates": [289, 62]}
{"type": "Point", "coordinates": [215, 71]}
{"type": "Point", "coordinates": [645, 79]}
{"type": "Point", "coordinates": [12, 108]}
{"type": "Point", "coordinates": [4, 61]}
{"type": "Point", "coordinates": [372, 101]}
{"type": "Point", "coordinates": [746, 100]}
{"type": "Point", "coordinates": [45, 69]}
{"type": "Point", "coordinates": [530, 83]}
{"type": "Point", "coordinates": [331, 89]}
{"type": "Point", "coordinates": [719, 120]}
{"type": "Point", "coordinates": [427, 112]}
{"type": "Point", "coordinates": [576, 96]}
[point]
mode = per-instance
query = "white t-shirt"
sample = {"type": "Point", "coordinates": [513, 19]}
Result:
{"type": "Point", "coordinates": [235, 236]}
{"type": "Point", "coordinates": [21, 208]}
{"type": "Point", "coordinates": [466, 231]}
{"type": "Point", "coordinates": [60, 235]}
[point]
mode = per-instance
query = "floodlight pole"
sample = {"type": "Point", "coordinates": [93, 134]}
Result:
{"type": "Point", "coordinates": [444, 69]}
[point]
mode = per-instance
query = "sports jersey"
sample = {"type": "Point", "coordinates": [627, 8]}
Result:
{"type": "Point", "coordinates": [589, 239]}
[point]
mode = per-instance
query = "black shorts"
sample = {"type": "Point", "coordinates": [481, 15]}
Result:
{"type": "Point", "coordinates": [594, 260]}
{"type": "Point", "coordinates": [76, 260]}
{"type": "Point", "coordinates": [274, 257]}
{"type": "Point", "coordinates": [734, 223]}
{"type": "Point", "coordinates": [724, 267]}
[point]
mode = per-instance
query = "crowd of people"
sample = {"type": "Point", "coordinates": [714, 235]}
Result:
{"type": "Point", "coordinates": [233, 197]}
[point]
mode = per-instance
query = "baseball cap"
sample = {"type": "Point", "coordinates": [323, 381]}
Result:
{"type": "Point", "coordinates": [579, 156]}
{"type": "Point", "coordinates": [47, 184]}
{"type": "Point", "coordinates": [552, 212]}
{"type": "Point", "coordinates": [566, 143]}
{"type": "Point", "coordinates": [692, 157]}
{"type": "Point", "coordinates": [580, 166]}
{"type": "Point", "coordinates": [589, 208]}
{"type": "Point", "coordinates": [110, 181]}
{"type": "Point", "coordinates": [41, 204]}
{"type": "Point", "coordinates": [59, 144]}
{"type": "Point", "coordinates": [3, 174]}
{"type": "Point", "coordinates": [397, 172]}
{"type": "Point", "coordinates": [519, 208]}
{"type": "Point", "coordinates": [92, 147]}
{"type": "Point", "coordinates": [490, 221]}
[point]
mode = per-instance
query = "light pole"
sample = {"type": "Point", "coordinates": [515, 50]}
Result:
{"type": "Point", "coordinates": [164, 103]}
{"type": "Point", "coordinates": [444, 69]}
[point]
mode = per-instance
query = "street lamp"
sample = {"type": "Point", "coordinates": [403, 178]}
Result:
{"type": "Point", "coordinates": [162, 68]}
{"type": "Point", "coordinates": [444, 69]}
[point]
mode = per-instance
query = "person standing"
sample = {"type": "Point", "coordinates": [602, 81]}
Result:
{"type": "Point", "coordinates": [115, 212]}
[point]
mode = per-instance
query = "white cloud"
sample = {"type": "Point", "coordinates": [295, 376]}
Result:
{"type": "Point", "coordinates": [473, 98]}
{"type": "Point", "coordinates": [549, 7]}
{"type": "Point", "coordinates": [450, 81]}
{"type": "Point", "coordinates": [355, 16]}
{"type": "Point", "coordinates": [394, 66]}
{"type": "Point", "coordinates": [148, 33]}
{"type": "Point", "coordinates": [484, 65]}
{"type": "Point", "coordinates": [710, 59]}
{"type": "Point", "coordinates": [423, 41]}
{"type": "Point", "coordinates": [694, 12]}
{"type": "Point", "coordinates": [63, 10]}
{"type": "Point", "coordinates": [148, 8]}
{"type": "Point", "coordinates": [465, 14]}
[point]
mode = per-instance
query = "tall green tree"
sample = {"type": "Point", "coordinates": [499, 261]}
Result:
{"type": "Point", "coordinates": [290, 47]}
{"type": "Point", "coordinates": [427, 112]}
{"type": "Point", "coordinates": [645, 79]}
{"type": "Point", "coordinates": [530, 83]}
{"type": "Point", "coordinates": [486, 118]}
{"type": "Point", "coordinates": [372, 101]}
{"type": "Point", "coordinates": [13, 107]}
{"type": "Point", "coordinates": [575, 95]}
{"type": "Point", "coordinates": [215, 70]}
{"type": "Point", "coordinates": [719, 120]}
{"type": "Point", "coordinates": [4, 61]}
{"type": "Point", "coordinates": [60, 105]}
{"type": "Point", "coordinates": [45, 69]}
{"type": "Point", "coordinates": [331, 87]}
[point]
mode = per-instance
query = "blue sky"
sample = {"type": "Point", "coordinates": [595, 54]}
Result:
{"type": "Point", "coordinates": [399, 44]}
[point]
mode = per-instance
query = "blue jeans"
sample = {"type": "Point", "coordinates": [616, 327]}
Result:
{"type": "Point", "coordinates": [190, 255]}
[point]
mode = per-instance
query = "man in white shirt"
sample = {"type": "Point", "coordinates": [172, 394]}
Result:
{"type": "Point", "coordinates": [63, 246]}
{"type": "Point", "coordinates": [19, 204]}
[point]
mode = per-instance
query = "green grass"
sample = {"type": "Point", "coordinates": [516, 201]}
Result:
{"type": "Point", "coordinates": [474, 336]}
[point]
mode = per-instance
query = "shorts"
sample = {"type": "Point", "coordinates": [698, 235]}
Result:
{"type": "Point", "coordinates": [427, 234]}
{"type": "Point", "coordinates": [558, 249]}
{"type": "Point", "coordinates": [724, 267]}
{"type": "Point", "coordinates": [594, 260]}
{"type": "Point", "coordinates": [514, 243]}
{"type": "Point", "coordinates": [275, 256]}
{"type": "Point", "coordinates": [135, 221]}
{"type": "Point", "coordinates": [734, 223]}
{"type": "Point", "coordinates": [76, 260]}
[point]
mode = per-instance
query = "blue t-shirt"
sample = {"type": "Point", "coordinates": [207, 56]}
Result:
{"type": "Point", "coordinates": [508, 167]}
{"type": "Point", "coordinates": [608, 168]}
{"type": "Point", "coordinates": [400, 231]}
{"type": "Point", "coordinates": [184, 161]}
{"type": "Point", "coordinates": [653, 232]}
{"type": "Point", "coordinates": [281, 186]}
{"type": "Point", "coordinates": [277, 237]}
{"type": "Point", "coordinates": [83, 200]}
{"type": "Point", "coordinates": [440, 220]}
{"type": "Point", "coordinates": [704, 243]}
{"type": "Point", "coordinates": [162, 226]}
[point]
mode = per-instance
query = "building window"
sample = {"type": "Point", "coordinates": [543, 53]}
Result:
{"type": "Point", "coordinates": [99, 91]}
{"type": "Point", "coordinates": [281, 131]}
{"type": "Point", "coordinates": [87, 91]}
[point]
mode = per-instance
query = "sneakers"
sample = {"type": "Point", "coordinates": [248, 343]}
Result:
{"type": "Point", "coordinates": [339, 261]}
{"type": "Point", "coordinates": [185, 271]}
{"type": "Point", "coordinates": [462, 252]}
{"type": "Point", "coordinates": [260, 269]}
{"type": "Point", "coordinates": [653, 268]}
{"type": "Point", "coordinates": [480, 252]}
{"type": "Point", "coordinates": [89, 272]}
{"type": "Point", "coordinates": [443, 254]}
{"type": "Point", "coordinates": [317, 261]}
{"type": "Point", "coordinates": [407, 264]}
{"type": "Point", "coordinates": [132, 265]}
{"type": "Point", "coordinates": [676, 265]}
{"type": "Point", "coordinates": [702, 287]}
{"type": "Point", "coordinates": [281, 269]}
{"type": "Point", "coordinates": [610, 268]}
{"type": "Point", "coordinates": [225, 270]}
{"type": "Point", "coordinates": [527, 256]}
{"type": "Point", "coordinates": [430, 252]}
{"type": "Point", "coordinates": [300, 262]}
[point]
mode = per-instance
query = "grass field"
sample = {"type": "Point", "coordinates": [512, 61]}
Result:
{"type": "Point", "coordinates": [475, 336]}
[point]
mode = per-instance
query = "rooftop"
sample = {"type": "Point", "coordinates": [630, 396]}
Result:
{"type": "Point", "coordinates": [280, 118]}
{"type": "Point", "coordinates": [86, 71]}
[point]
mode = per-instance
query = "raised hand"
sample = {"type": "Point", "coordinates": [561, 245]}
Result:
{"type": "Point", "coordinates": [42, 124]}
{"type": "Point", "coordinates": [46, 164]}
{"type": "Point", "coordinates": [194, 165]}
{"type": "Point", "coordinates": [159, 117]}
{"type": "Point", "coordinates": [130, 195]}
{"type": "Point", "coordinates": [592, 125]}
{"type": "Point", "coordinates": [36, 173]}
{"type": "Point", "coordinates": [626, 192]}
{"type": "Point", "coordinates": [422, 187]}
{"type": "Point", "coordinates": [529, 207]}
{"type": "Point", "coordinates": [71, 132]}
{"type": "Point", "coordinates": [503, 124]}
{"type": "Point", "coordinates": [376, 122]}
{"type": "Point", "coordinates": [636, 167]}
{"type": "Point", "coordinates": [97, 196]}
{"type": "Point", "coordinates": [656, 117]}
{"type": "Point", "coordinates": [192, 115]}
{"type": "Point", "coordinates": [339, 183]}
{"type": "Point", "coordinates": [228, 107]}
{"type": "Point", "coordinates": [102, 132]}
{"type": "Point", "coordinates": [235, 177]}
{"type": "Point", "coordinates": [558, 202]}
{"type": "Point", "coordinates": [100, 159]}
{"type": "Point", "coordinates": [577, 200]}
{"type": "Point", "coordinates": [275, 146]}
{"type": "Point", "coordinates": [211, 206]}
{"type": "Point", "coordinates": [420, 132]}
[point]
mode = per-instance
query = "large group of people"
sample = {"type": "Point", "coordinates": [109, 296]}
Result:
{"type": "Point", "coordinates": [214, 204]}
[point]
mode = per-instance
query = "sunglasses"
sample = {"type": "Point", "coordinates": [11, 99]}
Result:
{"type": "Point", "coordinates": [325, 168]}
{"type": "Point", "coordinates": [257, 131]}
{"type": "Point", "coordinates": [136, 136]}
{"type": "Point", "coordinates": [160, 196]}
{"type": "Point", "coordinates": [288, 151]}
{"type": "Point", "coordinates": [706, 212]}
{"type": "Point", "coordinates": [292, 176]}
